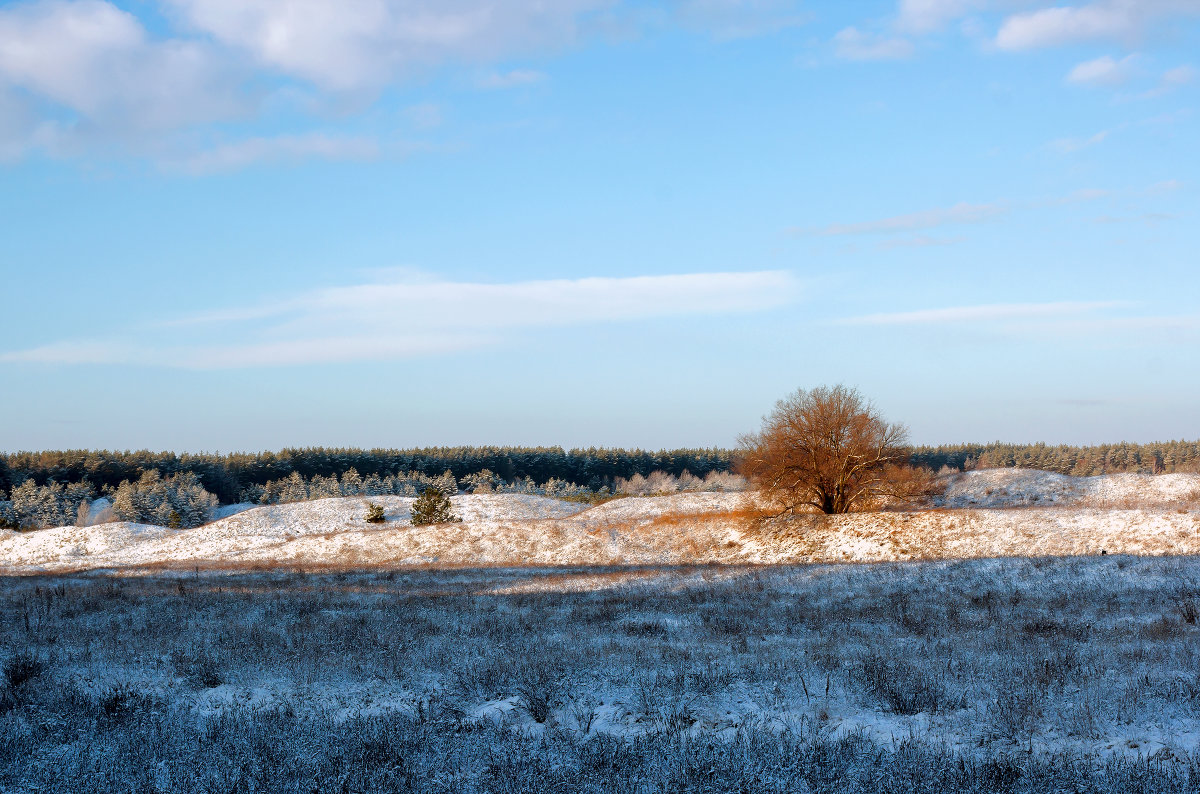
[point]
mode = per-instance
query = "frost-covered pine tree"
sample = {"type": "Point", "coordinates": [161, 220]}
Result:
{"type": "Point", "coordinates": [189, 499]}
{"type": "Point", "coordinates": [131, 501]}
{"type": "Point", "coordinates": [178, 501]}
{"type": "Point", "coordinates": [352, 484]}
{"type": "Point", "coordinates": [49, 505]}
{"type": "Point", "coordinates": [484, 481]}
{"type": "Point", "coordinates": [8, 516]}
{"type": "Point", "coordinates": [324, 487]}
{"type": "Point", "coordinates": [294, 489]}
{"type": "Point", "coordinates": [446, 483]}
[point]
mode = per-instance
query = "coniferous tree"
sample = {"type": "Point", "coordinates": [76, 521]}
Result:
{"type": "Point", "coordinates": [8, 516]}
{"type": "Point", "coordinates": [433, 507]}
{"type": "Point", "coordinates": [294, 489]}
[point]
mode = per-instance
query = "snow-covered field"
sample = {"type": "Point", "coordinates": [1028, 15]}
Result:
{"type": "Point", "coordinates": [1070, 674]}
{"type": "Point", "coordinates": [638, 645]}
{"type": "Point", "coordinates": [990, 513]}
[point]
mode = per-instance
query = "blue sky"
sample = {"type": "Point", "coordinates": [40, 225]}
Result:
{"type": "Point", "coordinates": [245, 224]}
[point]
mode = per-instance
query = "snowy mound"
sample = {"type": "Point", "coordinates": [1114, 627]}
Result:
{"type": "Point", "coordinates": [1010, 487]}
{"type": "Point", "coordinates": [249, 532]}
{"type": "Point", "coordinates": [1026, 487]}
{"type": "Point", "coordinates": [1046, 515]}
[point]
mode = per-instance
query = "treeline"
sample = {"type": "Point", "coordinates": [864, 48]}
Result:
{"type": "Point", "coordinates": [1079, 461]}
{"type": "Point", "coordinates": [229, 475]}
{"type": "Point", "coordinates": [232, 475]}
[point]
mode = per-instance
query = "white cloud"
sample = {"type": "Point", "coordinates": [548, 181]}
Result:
{"type": "Point", "coordinates": [856, 45]}
{"type": "Point", "coordinates": [1105, 70]}
{"type": "Point", "coordinates": [1122, 20]}
{"type": "Point", "coordinates": [413, 317]}
{"type": "Point", "coordinates": [356, 45]}
{"type": "Point", "coordinates": [988, 313]}
{"type": "Point", "coordinates": [927, 219]}
{"type": "Point", "coordinates": [1166, 186]}
{"type": "Point", "coordinates": [927, 16]}
{"type": "Point", "coordinates": [18, 125]}
{"type": "Point", "coordinates": [94, 59]}
{"type": "Point", "coordinates": [1180, 75]}
{"type": "Point", "coordinates": [284, 148]}
{"type": "Point", "coordinates": [733, 19]}
{"type": "Point", "coordinates": [1171, 79]}
{"type": "Point", "coordinates": [78, 76]}
{"type": "Point", "coordinates": [510, 79]}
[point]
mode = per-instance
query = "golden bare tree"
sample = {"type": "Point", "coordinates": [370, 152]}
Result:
{"type": "Point", "coordinates": [829, 449]}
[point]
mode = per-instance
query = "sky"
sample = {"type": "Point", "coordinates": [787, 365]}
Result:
{"type": "Point", "coordinates": [249, 224]}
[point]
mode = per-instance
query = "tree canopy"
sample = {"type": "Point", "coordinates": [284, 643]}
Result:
{"type": "Point", "coordinates": [828, 449]}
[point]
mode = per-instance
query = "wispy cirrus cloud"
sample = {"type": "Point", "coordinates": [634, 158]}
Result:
{"type": "Point", "coordinates": [1103, 71]}
{"type": "Point", "coordinates": [984, 313]}
{"type": "Point", "coordinates": [1109, 320]}
{"type": "Point", "coordinates": [284, 148]}
{"type": "Point", "coordinates": [960, 213]}
{"type": "Point", "coordinates": [1149, 218]}
{"type": "Point", "coordinates": [1069, 145]}
{"type": "Point", "coordinates": [919, 241]}
{"type": "Point", "coordinates": [1171, 80]}
{"type": "Point", "coordinates": [412, 317]}
{"type": "Point", "coordinates": [509, 79]}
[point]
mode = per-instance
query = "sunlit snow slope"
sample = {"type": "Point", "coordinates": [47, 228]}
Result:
{"type": "Point", "coordinates": [992, 513]}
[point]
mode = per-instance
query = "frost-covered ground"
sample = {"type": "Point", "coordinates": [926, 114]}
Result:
{"type": "Point", "coordinates": [646, 644]}
{"type": "Point", "coordinates": [991, 513]}
{"type": "Point", "coordinates": [1069, 674]}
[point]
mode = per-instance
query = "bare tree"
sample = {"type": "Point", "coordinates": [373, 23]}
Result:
{"type": "Point", "coordinates": [829, 449]}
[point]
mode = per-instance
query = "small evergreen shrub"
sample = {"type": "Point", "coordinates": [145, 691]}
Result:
{"type": "Point", "coordinates": [433, 507]}
{"type": "Point", "coordinates": [374, 513]}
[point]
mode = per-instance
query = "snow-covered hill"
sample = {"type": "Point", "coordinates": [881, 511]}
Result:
{"type": "Point", "coordinates": [1001, 512]}
{"type": "Point", "coordinates": [1016, 487]}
